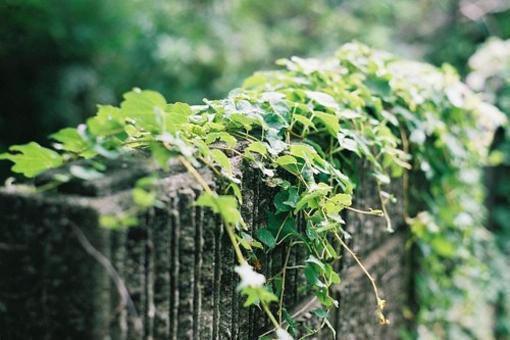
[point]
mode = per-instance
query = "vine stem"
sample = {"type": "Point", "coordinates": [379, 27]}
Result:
{"type": "Point", "coordinates": [239, 254]}
{"type": "Point", "coordinates": [195, 174]}
{"type": "Point", "coordinates": [380, 302]}
{"type": "Point", "coordinates": [270, 315]}
{"type": "Point", "coordinates": [207, 188]}
{"type": "Point", "coordinates": [389, 225]}
{"type": "Point", "coordinates": [405, 177]}
{"type": "Point", "coordinates": [284, 271]}
{"type": "Point", "coordinates": [364, 212]}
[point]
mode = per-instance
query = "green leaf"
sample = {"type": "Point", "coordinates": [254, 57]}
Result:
{"type": "Point", "coordinates": [224, 205]}
{"type": "Point", "coordinates": [288, 163]}
{"type": "Point", "coordinates": [312, 275]}
{"type": "Point", "coordinates": [117, 221]}
{"type": "Point", "coordinates": [255, 295]}
{"type": "Point", "coordinates": [73, 141]}
{"type": "Point", "coordinates": [378, 86]}
{"type": "Point", "coordinates": [325, 299]}
{"type": "Point", "coordinates": [312, 259]}
{"type": "Point", "coordinates": [257, 147]}
{"type": "Point", "coordinates": [323, 99]}
{"type": "Point", "coordinates": [109, 120]}
{"type": "Point", "coordinates": [147, 109]}
{"type": "Point", "coordinates": [304, 151]}
{"type": "Point", "coordinates": [303, 120]}
{"type": "Point", "coordinates": [176, 116]}
{"type": "Point", "coordinates": [31, 159]}
{"type": "Point", "coordinates": [245, 121]}
{"type": "Point", "coordinates": [286, 160]}
{"type": "Point", "coordinates": [342, 199]}
{"type": "Point", "coordinates": [147, 182]}
{"type": "Point", "coordinates": [161, 155]}
{"type": "Point", "coordinates": [255, 80]}
{"type": "Point", "coordinates": [236, 191]}
{"type": "Point", "coordinates": [108, 221]}
{"type": "Point", "coordinates": [320, 313]}
{"type": "Point", "coordinates": [331, 275]}
{"type": "Point", "coordinates": [143, 198]}
{"type": "Point", "coordinates": [310, 198]}
{"type": "Point", "coordinates": [286, 200]}
{"type": "Point", "coordinates": [443, 247]}
{"type": "Point", "coordinates": [222, 160]}
{"type": "Point", "coordinates": [330, 121]}
{"type": "Point", "coordinates": [266, 237]}
{"type": "Point", "coordinates": [223, 136]}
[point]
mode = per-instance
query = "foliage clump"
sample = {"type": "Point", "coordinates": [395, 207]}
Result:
{"type": "Point", "coordinates": [490, 74]}
{"type": "Point", "coordinates": [305, 128]}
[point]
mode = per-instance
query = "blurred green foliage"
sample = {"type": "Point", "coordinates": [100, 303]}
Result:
{"type": "Point", "coordinates": [59, 58]}
{"type": "Point", "coordinates": [490, 74]}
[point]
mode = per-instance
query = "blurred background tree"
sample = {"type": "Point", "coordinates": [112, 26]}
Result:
{"type": "Point", "coordinates": [58, 59]}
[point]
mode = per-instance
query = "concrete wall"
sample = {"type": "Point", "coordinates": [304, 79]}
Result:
{"type": "Point", "coordinates": [56, 281]}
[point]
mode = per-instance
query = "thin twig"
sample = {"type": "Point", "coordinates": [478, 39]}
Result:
{"type": "Point", "coordinates": [284, 271]}
{"type": "Point", "coordinates": [125, 298]}
{"type": "Point", "coordinates": [405, 177]}
{"type": "Point", "coordinates": [380, 302]}
{"type": "Point", "coordinates": [366, 212]}
{"type": "Point", "coordinates": [389, 226]}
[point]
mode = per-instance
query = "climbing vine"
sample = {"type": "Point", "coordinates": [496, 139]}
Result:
{"type": "Point", "coordinates": [490, 74]}
{"type": "Point", "coordinates": [303, 128]}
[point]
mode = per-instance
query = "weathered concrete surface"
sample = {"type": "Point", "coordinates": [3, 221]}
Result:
{"type": "Point", "coordinates": [177, 266]}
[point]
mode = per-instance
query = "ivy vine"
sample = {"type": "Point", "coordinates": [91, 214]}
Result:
{"type": "Point", "coordinates": [303, 127]}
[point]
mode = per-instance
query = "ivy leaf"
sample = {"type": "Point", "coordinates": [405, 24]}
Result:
{"type": "Point", "coordinates": [330, 121]}
{"type": "Point", "coordinates": [304, 151]}
{"type": "Point", "coordinates": [320, 313]}
{"type": "Point", "coordinates": [323, 99]}
{"type": "Point", "coordinates": [312, 259]}
{"type": "Point", "coordinates": [175, 116]}
{"type": "Point", "coordinates": [331, 275]}
{"type": "Point", "coordinates": [303, 120]}
{"type": "Point", "coordinates": [257, 147]}
{"type": "Point", "coordinates": [222, 160]}
{"type": "Point", "coordinates": [286, 200]}
{"type": "Point", "coordinates": [245, 121]}
{"type": "Point", "coordinates": [310, 198]}
{"type": "Point", "coordinates": [223, 136]}
{"type": "Point", "coordinates": [73, 141]}
{"type": "Point", "coordinates": [266, 237]}
{"type": "Point", "coordinates": [161, 155]}
{"type": "Point", "coordinates": [313, 275]}
{"type": "Point", "coordinates": [443, 247]}
{"type": "Point", "coordinates": [109, 120]}
{"type": "Point", "coordinates": [254, 295]}
{"type": "Point", "coordinates": [342, 199]}
{"type": "Point", "coordinates": [117, 221]}
{"type": "Point", "coordinates": [143, 198]}
{"type": "Point", "coordinates": [224, 205]}
{"type": "Point", "coordinates": [378, 86]}
{"type": "Point", "coordinates": [146, 108]}
{"type": "Point", "coordinates": [288, 163]}
{"type": "Point", "coordinates": [31, 159]}
{"type": "Point", "coordinates": [236, 191]}
{"type": "Point", "coordinates": [348, 143]}
{"type": "Point", "coordinates": [324, 297]}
